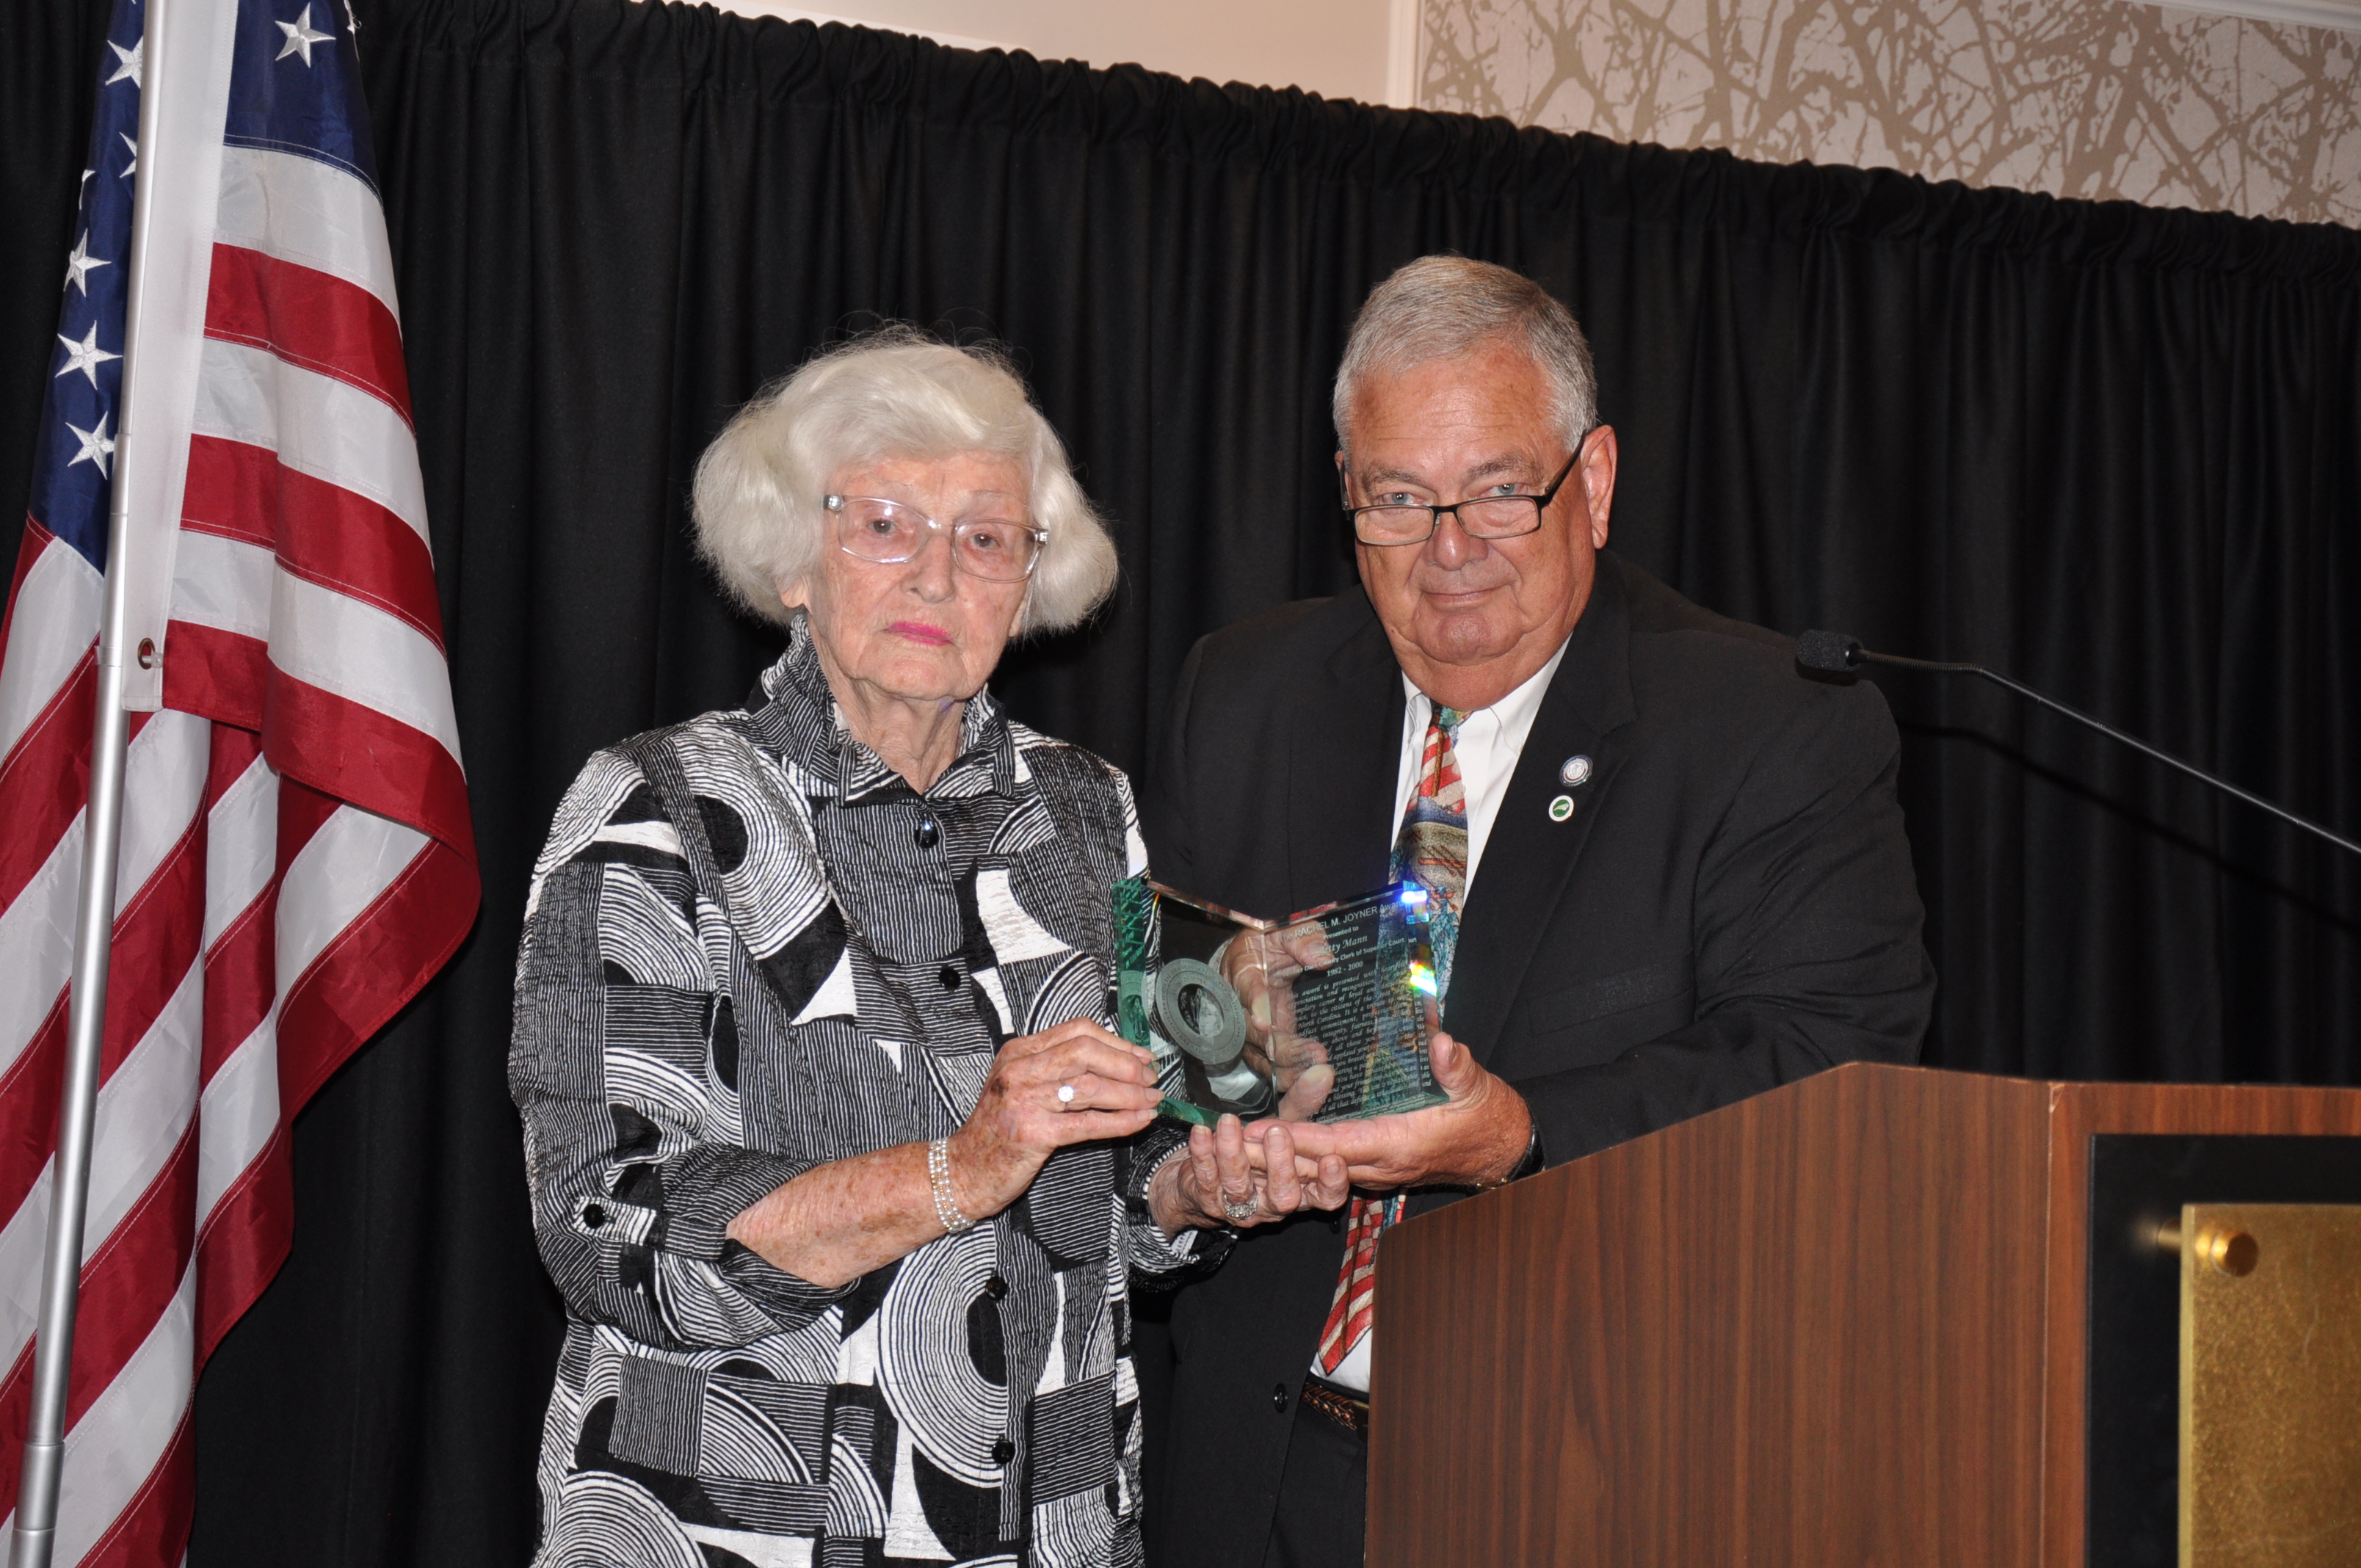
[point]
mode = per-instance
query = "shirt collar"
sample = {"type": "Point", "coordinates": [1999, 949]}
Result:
{"type": "Point", "coordinates": [1513, 713]}
{"type": "Point", "coordinates": [797, 716]}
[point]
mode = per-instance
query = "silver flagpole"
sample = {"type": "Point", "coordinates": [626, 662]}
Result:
{"type": "Point", "coordinates": [45, 1426]}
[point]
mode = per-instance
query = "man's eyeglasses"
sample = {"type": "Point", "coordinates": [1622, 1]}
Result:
{"type": "Point", "coordinates": [1483, 517]}
{"type": "Point", "coordinates": [889, 534]}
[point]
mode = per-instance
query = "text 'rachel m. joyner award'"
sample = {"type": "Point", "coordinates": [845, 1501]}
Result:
{"type": "Point", "coordinates": [1235, 1008]}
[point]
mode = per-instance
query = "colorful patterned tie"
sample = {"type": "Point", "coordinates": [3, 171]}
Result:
{"type": "Point", "coordinates": [1431, 849]}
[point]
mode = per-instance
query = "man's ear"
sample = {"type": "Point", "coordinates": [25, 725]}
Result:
{"type": "Point", "coordinates": [1344, 482]}
{"type": "Point", "coordinates": [1597, 473]}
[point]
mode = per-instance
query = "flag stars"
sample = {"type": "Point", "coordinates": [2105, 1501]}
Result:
{"type": "Point", "coordinates": [126, 62]}
{"type": "Point", "coordinates": [301, 37]}
{"type": "Point", "coordinates": [133, 148]}
{"type": "Point", "coordinates": [97, 446]}
{"type": "Point", "coordinates": [81, 263]}
{"type": "Point", "coordinates": [85, 356]}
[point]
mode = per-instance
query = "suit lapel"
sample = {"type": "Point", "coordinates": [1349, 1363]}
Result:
{"type": "Point", "coordinates": [1344, 751]}
{"type": "Point", "coordinates": [1529, 856]}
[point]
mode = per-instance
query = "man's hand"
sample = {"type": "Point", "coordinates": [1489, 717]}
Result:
{"type": "Point", "coordinates": [1261, 966]}
{"type": "Point", "coordinates": [1479, 1137]}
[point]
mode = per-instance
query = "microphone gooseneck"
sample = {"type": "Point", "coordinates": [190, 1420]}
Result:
{"type": "Point", "coordinates": [1842, 653]}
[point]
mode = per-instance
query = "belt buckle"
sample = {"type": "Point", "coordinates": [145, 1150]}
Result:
{"type": "Point", "coordinates": [1346, 1411]}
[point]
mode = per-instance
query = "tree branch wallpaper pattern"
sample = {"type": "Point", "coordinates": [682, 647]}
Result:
{"type": "Point", "coordinates": [2100, 100]}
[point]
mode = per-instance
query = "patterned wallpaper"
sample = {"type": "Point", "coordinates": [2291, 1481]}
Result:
{"type": "Point", "coordinates": [2093, 98]}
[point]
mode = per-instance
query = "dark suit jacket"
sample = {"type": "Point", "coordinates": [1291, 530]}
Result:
{"type": "Point", "coordinates": [1730, 906]}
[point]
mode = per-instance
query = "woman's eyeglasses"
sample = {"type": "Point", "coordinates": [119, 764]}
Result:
{"type": "Point", "coordinates": [888, 532]}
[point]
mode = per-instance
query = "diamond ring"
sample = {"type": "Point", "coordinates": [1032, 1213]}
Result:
{"type": "Point", "coordinates": [1065, 1094]}
{"type": "Point", "coordinates": [1238, 1210]}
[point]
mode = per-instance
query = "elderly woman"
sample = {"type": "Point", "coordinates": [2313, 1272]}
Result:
{"type": "Point", "coordinates": [832, 1155]}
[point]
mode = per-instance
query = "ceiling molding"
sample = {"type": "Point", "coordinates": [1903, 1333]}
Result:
{"type": "Point", "coordinates": [1403, 40]}
{"type": "Point", "coordinates": [787, 12]}
{"type": "Point", "coordinates": [2343, 15]}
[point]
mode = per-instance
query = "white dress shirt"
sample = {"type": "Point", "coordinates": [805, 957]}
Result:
{"type": "Point", "coordinates": [1489, 741]}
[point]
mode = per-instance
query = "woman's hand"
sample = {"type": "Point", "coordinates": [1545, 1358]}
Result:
{"type": "Point", "coordinates": [1230, 1177]}
{"type": "Point", "coordinates": [838, 1221]}
{"type": "Point", "coordinates": [1074, 1083]}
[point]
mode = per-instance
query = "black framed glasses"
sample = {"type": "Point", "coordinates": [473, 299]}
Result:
{"type": "Point", "coordinates": [1483, 517]}
{"type": "Point", "coordinates": [889, 534]}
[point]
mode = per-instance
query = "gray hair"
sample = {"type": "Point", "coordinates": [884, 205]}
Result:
{"type": "Point", "coordinates": [895, 392]}
{"type": "Point", "coordinates": [1440, 307]}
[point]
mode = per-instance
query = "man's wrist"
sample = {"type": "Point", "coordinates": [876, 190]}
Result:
{"type": "Point", "coordinates": [1524, 1161]}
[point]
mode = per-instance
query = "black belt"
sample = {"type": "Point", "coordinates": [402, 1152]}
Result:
{"type": "Point", "coordinates": [1348, 1408]}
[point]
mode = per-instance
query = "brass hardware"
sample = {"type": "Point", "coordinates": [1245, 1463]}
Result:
{"type": "Point", "coordinates": [2224, 1247]}
{"type": "Point", "coordinates": [2234, 1251]}
{"type": "Point", "coordinates": [2270, 1376]}
{"type": "Point", "coordinates": [147, 652]}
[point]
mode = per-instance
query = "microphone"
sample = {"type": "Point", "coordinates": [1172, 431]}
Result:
{"type": "Point", "coordinates": [1842, 653]}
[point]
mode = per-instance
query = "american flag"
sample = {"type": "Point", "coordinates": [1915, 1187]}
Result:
{"type": "Point", "coordinates": [296, 854]}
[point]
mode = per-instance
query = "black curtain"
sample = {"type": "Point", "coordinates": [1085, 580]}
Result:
{"type": "Point", "coordinates": [2111, 450]}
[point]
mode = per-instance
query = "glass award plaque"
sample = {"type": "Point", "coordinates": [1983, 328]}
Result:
{"type": "Point", "coordinates": [1238, 1008]}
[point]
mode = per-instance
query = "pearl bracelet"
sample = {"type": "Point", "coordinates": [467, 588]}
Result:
{"type": "Point", "coordinates": [939, 1180]}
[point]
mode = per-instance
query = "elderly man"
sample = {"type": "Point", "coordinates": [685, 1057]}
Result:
{"type": "Point", "coordinates": [1671, 869]}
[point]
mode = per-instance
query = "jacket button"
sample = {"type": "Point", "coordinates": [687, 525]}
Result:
{"type": "Point", "coordinates": [996, 1288]}
{"type": "Point", "coordinates": [593, 1215]}
{"type": "Point", "coordinates": [1002, 1451]}
{"type": "Point", "coordinates": [927, 834]}
{"type": "Point", "coordinates": [1278, 1398]}
{"type": "Point", "coordinates": [948, 978]}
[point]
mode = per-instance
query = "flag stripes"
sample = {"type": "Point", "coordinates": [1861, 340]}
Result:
{"type": "Point", "coordinates": [308, 633]}
{"type": "Point", "coordinates": [317, 425]}
{"type": "Point", "coordinates": [297, 209]}
{"type": "Point", "coordinates": [55, 576]}
{"type": "Point", "coordinates": [37, 932]}
{"type": "Point", "coordinates": [47, 780]}
{"type": "Point", "coordinates": [113, 1449]}
{"type": "Point", "coordinates": [307, 318]}
{"type": "Point", "coordinates": [297, 859]}
{"type": "Point", "coordinates": [326, 533]}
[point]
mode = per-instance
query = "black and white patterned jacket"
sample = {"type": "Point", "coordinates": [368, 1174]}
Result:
{"type": "Point", "coordinates": [697, 1021]}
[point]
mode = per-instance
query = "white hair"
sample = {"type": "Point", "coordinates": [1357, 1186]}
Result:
{"type": "Point", "coordinates": [895, 392]}
{"type": "Point", "coordinates": [1440, 307]}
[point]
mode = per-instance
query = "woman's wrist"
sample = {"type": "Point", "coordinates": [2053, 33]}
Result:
{"type": "Point", "coordinates": [977, 1184]}
{"type": "Point", "coordinates": [973, 1182]}
{"type": "Point", "coordinates": [942, 1187]}
{"type": "Point", "coordinates": [1168, 1199]}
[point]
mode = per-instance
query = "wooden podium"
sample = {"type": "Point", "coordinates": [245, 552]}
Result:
{"type": "Point", "coordinates": [1841, 1323]}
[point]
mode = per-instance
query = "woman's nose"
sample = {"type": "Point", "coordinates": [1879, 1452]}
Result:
{"type": "Point", "coordinates": [932, 568]}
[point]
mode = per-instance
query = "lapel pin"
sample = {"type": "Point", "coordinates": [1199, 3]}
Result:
{"type": "Point", "coordinates": [1560, 808]}
{"type": "Point", "coordinates": [1573, 771]}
